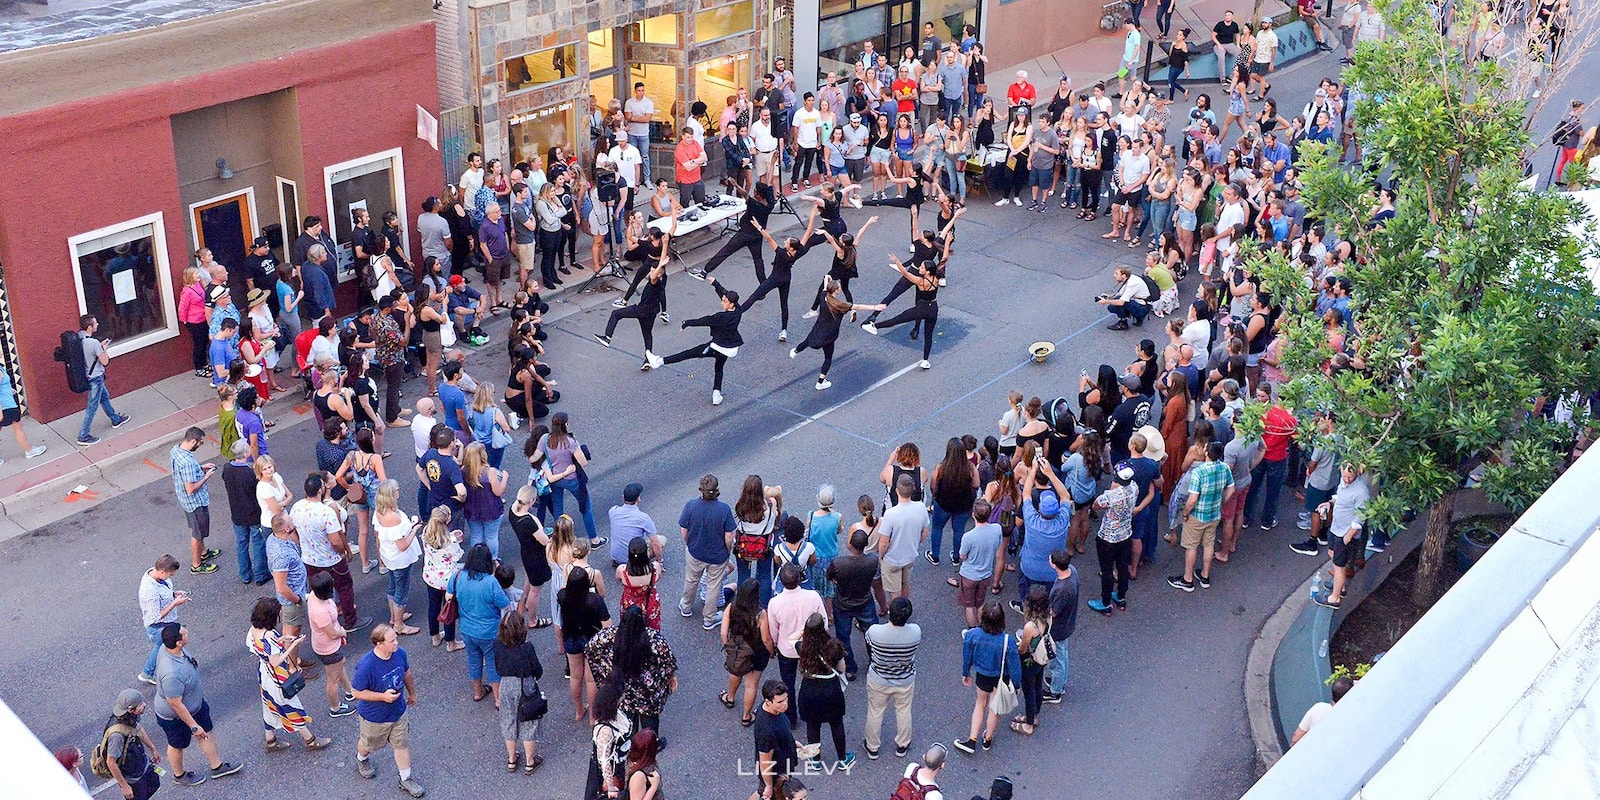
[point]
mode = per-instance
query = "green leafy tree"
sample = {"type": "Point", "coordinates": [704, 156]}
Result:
{"type": "Point", "coordinates": [1472, 305]}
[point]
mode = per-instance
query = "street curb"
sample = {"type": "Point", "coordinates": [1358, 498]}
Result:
{"type": "Point", "coordinates": [1258, 676]}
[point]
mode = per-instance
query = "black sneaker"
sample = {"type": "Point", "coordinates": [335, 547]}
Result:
{"type": "Point", "coordinates": [1120, 601]}
{"type": "Point", "coordinates": [361, 622]}
{"type": "Point", "coordinates": [966, 745]}
{"type": "Point", "coordinates": [603, 339]}
{"type": "Point", "coordinates": [988, 743]}
{"type": "Point", "coordinates": [932, 559]}
{"type": "Point", "coordinates": [871, 753]}
{"type": "Point", "coordinates": [225, 769]}
{"type": "Point", "coordinates": [190, 778]}
{"type": "Point", "coordinates": [697, 274]}
{"type": "Point", "coordinates": [900, 752]}
{"type": "Point", "coordinates": [1269, 524]}
{"type": "Point", "coordinates": [1205, 583]}
{"type": "Point", "coordinates": [1323, 600]}
{"type": "Point", "coordinates": [117, 423]}
{"type": "Point", "coordinates": [1177, 582]}
{"type": "Point", "coordinates": [1052, 699]}
{"type": "Point", "coordinates": [1306, 548]}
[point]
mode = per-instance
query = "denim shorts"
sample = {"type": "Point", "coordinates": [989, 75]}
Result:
{"type": "Point", "coordinates": [879, 155]}
{"type": "Point", "coordinates": [1040, 177]}
{"type": "Point", "coordinates": [1186, 219]}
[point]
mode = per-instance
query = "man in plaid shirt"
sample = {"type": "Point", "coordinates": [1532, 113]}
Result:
{"type": "Point", "coordinates": [1210, 485]}
{"type": "Point", "coordinates": [189, 478]}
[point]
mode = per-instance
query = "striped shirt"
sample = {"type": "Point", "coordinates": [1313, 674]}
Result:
{"type": "Point", "coordinates": [893, 650]}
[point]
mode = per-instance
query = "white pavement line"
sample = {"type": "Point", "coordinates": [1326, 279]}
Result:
{"type": "Point", "coordinates": [992, 381]}
{"type": "Point", "coordinates": [841, 404]}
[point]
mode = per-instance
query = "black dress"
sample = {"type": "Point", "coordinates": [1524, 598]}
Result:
{"type": "Point", "coordinates": [535, 564]}
{"type": "Point", "coordinates": [824, 331]}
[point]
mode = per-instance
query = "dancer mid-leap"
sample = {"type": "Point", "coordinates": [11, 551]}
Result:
{"type": "Point", "coordinates": [825, 332]}
{"type": "Point", "coordinates": [925, 311]}
{"type": "Point", "coordinates": [725, 339]}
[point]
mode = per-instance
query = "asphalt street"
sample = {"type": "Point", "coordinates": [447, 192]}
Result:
{"type": "Point", "coordinates": [1154, 706]}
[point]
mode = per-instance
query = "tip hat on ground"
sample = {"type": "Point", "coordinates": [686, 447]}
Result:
{"type": "Point", "coordinates": [1124, 472]}
{"type": "Point", "coordinates": [127, 700]}
{"type": "Point", "coordinates": [261, 241]}
{"type": "Point", "coordinates": [457, 280]}
{"type": "Point", "coordinates": [216, 293]}
{"type": "Point", "coordinates": [258, 296]}
{"type": "Point", "coordinates": [1049, 505]}
{"type": "Point", "coordinates": [1155, 448]}
{"type": "Point", "coordinates": [1129, 381]}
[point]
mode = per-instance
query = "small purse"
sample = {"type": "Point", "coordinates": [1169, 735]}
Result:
{"type": "Point", "coordinates": [531, 706]}
{"type": "Point", "coordinates": [498, 438]}
{"type": "Point", "coordinates": [451, 610]}
{"type": "Point", "coordinates": [1004, 697]}
{"type": "Point", "coordinates": [293, 685]}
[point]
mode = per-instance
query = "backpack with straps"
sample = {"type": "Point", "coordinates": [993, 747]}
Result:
{"type": "Point", "coordinates": [71, 356]}
{"type": "Point", "coordinates": [1150, 285]}
{"type": "Point", "coordinates": [97, 756]}
{"type": "Point", "coordinates": [754, 546]}
{"type": "Point", "coordinates": [909, 789]}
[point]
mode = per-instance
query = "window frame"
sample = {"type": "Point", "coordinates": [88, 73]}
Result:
{"type": "Point", "coordinates": [698, 12]}
{"type": "Point", "coordinates": [506, 85]}
{"type": "Point", "coordinates": [397, 178]}
{"type": "Point", "coordinates": [168, 304]}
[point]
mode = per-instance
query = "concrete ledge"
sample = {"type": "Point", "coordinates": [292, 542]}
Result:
{"type": "Point", "coordinates": [1258, 701]}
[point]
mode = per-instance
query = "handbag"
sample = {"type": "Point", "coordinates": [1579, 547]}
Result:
{"type": "Point", "coordinates": [981, 88]}
{"type": "Point", "coordinates": [451, 610]}
{"type": "Point", "coordinates": [740, 658]}
{"type": "Point", "coordinates": [531, 705]}
{"type": "Point", "coordinates": [498, 438]}
{"type": "Point", "coordinates": [292, 685]}
{"type": "Point", "coordinates": [1004, 697]}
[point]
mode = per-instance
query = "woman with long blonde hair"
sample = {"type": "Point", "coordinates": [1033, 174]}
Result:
{"type": "Point", "coordinates": [485, 419]}
{"type": "Point", "coordinates": [397, 550]}
{"type": "Point", "coordinates": [192, 313]}
{"type": "Point", "coordinates": [441, 557]}
{"type": "Point", "coordinates": [485, 504]}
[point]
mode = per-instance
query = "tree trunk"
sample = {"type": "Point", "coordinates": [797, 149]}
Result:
{"type": "Point", "coordinates": [1429, 583]}
{"type": "Point", "coordinates": [1255, 14]}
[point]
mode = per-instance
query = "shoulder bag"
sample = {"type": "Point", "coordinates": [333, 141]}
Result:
{"type": "Point", "coordinates": [451, 610]}
{"type": "Point", "coordinates": [1004, 697]}
{"type": "Point", "coordinates": [532, 705]}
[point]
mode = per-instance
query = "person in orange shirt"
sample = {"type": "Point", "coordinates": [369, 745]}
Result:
{"type": "Point", "coordinates": [689, 159]}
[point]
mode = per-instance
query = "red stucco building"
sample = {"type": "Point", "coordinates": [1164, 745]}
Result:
{"type": "Point", "coordinates": [134, 135]}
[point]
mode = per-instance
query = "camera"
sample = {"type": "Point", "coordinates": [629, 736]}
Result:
{"type": "Point", "coordinates": [605, 182]}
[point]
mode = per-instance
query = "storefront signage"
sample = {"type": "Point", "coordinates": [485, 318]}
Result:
{"type": "Point", "coordinates": [541, 113]}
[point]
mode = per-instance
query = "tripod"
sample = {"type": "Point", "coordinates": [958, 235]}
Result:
{"type": "Point", "coordinates": [613, 267]}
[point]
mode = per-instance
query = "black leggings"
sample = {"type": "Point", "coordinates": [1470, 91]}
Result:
{"type": "Point", "coordinates": [646, 315]}
{"type": "Point", "coordinates": [549, 243]}
{"type": "Point", "coordinates": [1019, 175]}
{"type": "Point", "coordinates": [1089, 200]}
{"type": "Point", "coordinates": [844, 289]}
{"type": "Point", "coordinates": [901, 286]}
{"type": "Point", "coordinates": [569, 238]}
{"type": "Point", "coordinates": [774, 281]}
{"type": "Point", "coordinates": [743, 238]}
{"type": "Point", "coordinates": [1032, 691]}
{"type": "Point", "coordinates": [199, 343]}
{"type": "Point", "coordinates": [928, 315]}
{"type": "Point", "coordinates": [835, 726]}
{"type": "Point", "coordinates": [640, 276]}
{"type": "Point", "coordinates": [807, 156]}
{"type": "Point", "coordinates": [719, 361]}
{"type": "Point", "coordinates": [827, 355]}
{"type": "Point", "coordinates": [1115, 560]}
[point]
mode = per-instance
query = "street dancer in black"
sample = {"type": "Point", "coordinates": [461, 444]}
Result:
{"type": "Point", "coordinates": [929, 247]}
{"type": "Point", "coordinates": [829, 206]}
{"type": "Point", "coordinates": [725, 339]}
{"type": "Point", "coordinates": [651, 252]}
{"type": "Point", "coordinates": [757, 210]}
{"type": "Point", "coordinates": [915, 195]}
{"type": "Point", "coordinates": [645, 311]}
{"type": "Point", "coordinates": [826, 329]}
{"type": "Point", "coordinates": [925, 311]}
{"type": "Point", "coordinates": [843, 270]}
{"type": "Point", "coordinates": [783, 260]}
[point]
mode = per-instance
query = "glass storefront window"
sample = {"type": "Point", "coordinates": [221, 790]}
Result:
{"type": "Point", "coordinates": [602, 50]}
{"type": "Point", "coordinates": [541, 68]}
{"type": "Point", "coordinates": [947, 17]}
{"type": "Point", "coordinates": [124, 280]}
{"type": "Point", "coordinates": [839, 40]}
{"type": "Point", "coordinates": [604, 89]}
{"type": "Point", "coordinates": [720, 78]}
{"type": "Point", "coordinates": [661, 85]}
{"type": "Point", "coordinates": [725, 20]}
{"type": "Point", "coordinates": [662, 29]}
{"type": "Point", "coordinates": [533, 133]}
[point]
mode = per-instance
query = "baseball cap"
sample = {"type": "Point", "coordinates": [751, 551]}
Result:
{"type": "Point", "coordinates": [1124, 472]}
{"type": "Point", "coordinates": [127, 700]}
{"type": "Point", "coordinates": [855, 117]}
{"type": "Point", "coordinates": [457, 280]}
{"type": "Point", "coordinates": [1129, 381]}
{"type": "Point", "coordinates": [1049, 505]}
{"type": "Point", "coordinates": [631, 492]}
{"type": "Point", "coordinates": [1322, 93]}
{"type": "Point", "coordinates": [261, 241]}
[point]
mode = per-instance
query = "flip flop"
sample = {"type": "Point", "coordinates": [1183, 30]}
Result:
{"type": "Point", "coordinates": [953, 582]}
{"type": "Point", "coordinates": [1016, 727]}
{"type": "Point", "coordinates": [727, 701]}
{"type": "Point", "coordinates": [747, 721]}
{"type": "Point", "coordinates": [545, 622]}
{"type": "Point", "coordinates": [479, 697]}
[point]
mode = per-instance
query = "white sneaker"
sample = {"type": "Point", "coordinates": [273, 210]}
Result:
{"type": "Point", "coordinates": [664, 317]}
{"type": "Point", "coordinates": [856, 201]}
{"type": "Point", "coordinates": [942, 282]}
{"type": "Point", "coordinates": [823, 384]}
{"type": "Point", "coordinates": [809, 314]}
{"type": "Point", "coordinates": [793, 352]}
{"type": "Point", "coordinates": [37, 451]}
{"type": "Point", "coordinates": [783, 335]}
{"type": "Point", "coordinates": [618, 303]}
{"type": "Point", "coordinates": [1016, 201]}
{"type": "Point", "coordinates": [869, 328]}
{"type": "Point", "coordinates": [653, 360]}
{"type": "Point", "coordinates": [1002, 201]}
{"type": "Point", "coordinates": [924, 364]}
{"type": "Point", "coordinates": [716, 397]}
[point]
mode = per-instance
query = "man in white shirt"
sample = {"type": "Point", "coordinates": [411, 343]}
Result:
{"type": "Point", "coordinates": [472, 178]}
{"type": "Point", "coordinates": [766, 148]}
{"type": "Point", "coordinates": [626, 159]}
{"type": "Point", "coordinates": [1128, 121]}
{"type": "Point", "coordinates": [1320, 711]}
{"type": "Point", "coordinates": [639, 111]}
{"type": "Point", "coordinates": [323, 546]}
{"type": "Point", "coordinates": [903, 529]}
{"type": "Point", "coordinates": [807, 142]}
{"type": "Point", "coordinates": [1345, 516]}
{"type": "Point", "coordinates": [855, 155]}
{"type": "Point", "coordinates": [1131, 300]}
{"type": "Point", "coordinates": [1231, 221]}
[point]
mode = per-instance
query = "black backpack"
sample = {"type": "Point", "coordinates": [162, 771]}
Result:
{"type": "Point", "coordinates": [70, 354]}
{"type": "Point", "coordinates": [1150, 286]}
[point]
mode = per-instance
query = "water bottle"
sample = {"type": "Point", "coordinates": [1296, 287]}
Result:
{"type": "Point", "coordinates": [1316, 584]}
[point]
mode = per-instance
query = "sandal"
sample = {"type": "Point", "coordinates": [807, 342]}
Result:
{"type": "Point", "coordinates": [511, 764]}
{"type": "Point", "coordinates": [1021, 727]}
{"type": "Point", "coordinates": [277, 746]}
{"type": "Point", "coordinates": [543, 622]}
{"type": "Point", "coordinates": [479, 697]}
{"type": "Point", "coordinates": [528, 768]}
{"type": "Point", "coordinates": [455, 647]}
{"type": "Point", "coordinates": [747, 721]}
{"type": "Point", "coordinates": [727, 702]}
{"type": "Point", "coordinates": [319, 744]}
{"type": "Point", "coordinates": [953, 582]}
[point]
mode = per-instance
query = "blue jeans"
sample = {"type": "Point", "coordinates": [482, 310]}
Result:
{"type": "Point", "coordinates": [958, 182]}
{"type": "Point", "coordinates": [1173, 86]}
{"type": "Point", "coordinates": [842, 622]}
{"type": "Point", "coordinates": [974, 99]}
{"type": "Point", "coordinates": [480, 659]}
{"type": "Point", "coordinates": [250, 543]}
{"type": "Point", "coordinates": [497, 455]}
{"type": "Point", "coordinates": [1265, 487]}
{"type": "Point", "coordinates": [400, 585]}
{"type": "Point", "coordinates": [643, 144]}
{"type": "Point", "coordinates": [763, 574]}
{"type": "Point", "coordinates": [99, 398]}
{"type": "Point", "coordinates": [558, 501]}
{"type": "Point", "coordinates": [424, 508]}
{"type": "Point", "coordinates": [154, 632]}
{"type": "Point", "coordinates": [1055, 678]}
{"type": "Point", "coordinates": [1144, 528]}
{"type": "Point", "coordinates": [951, 107]}
{"type": "Point", "coordinates": [959, 523]}
{"type": "Point", "coordinates": [486, 532]}
{"type": "Point", "coordinates": [1132, 308]}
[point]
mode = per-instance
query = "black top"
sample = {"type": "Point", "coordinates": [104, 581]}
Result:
{"type": "Point", "coordinates": [852, 579]}
{"type": "Point", "coordinates": [1060, 105]}
{"type": "Point", "coordinates": [928, 296]}
{"type": "Point", "coordinates": [724, 325]}
{"type": "Point", "coordinates": [985, 133]}
{"type": "Point", "coordinates": [844, 266]}
{"type": "Point", "coordinates": [367, 388]}
{"type": "Point", "coordinates": [585, 620]}
{"type": "Point", "coordinates": [916, 484]}
{"type": "Point", "coordinates": [954, 494]}
{"type": "Point", "coordinates": [783, 262]}
{"type": "Point", "coordinates": [1147, 376]}
{"type": "Point", "coordinates": [1178, 58]}
{"type": "Point", "coordinates": [654, 293]}
{"type": "Point", "coordinates": [534, 561]}
{"type": "Point", "coordinates": [264, 271]}
{"type": "Point", "coordinates": [832, 220]}
{"type": "Point", "coordinates": [756, 210]}
{"type": "Point", "coordinates": [240, 479]}
{"type": "Point", "coordinates": [521, 661]}
{"type": "Point", "coordinates": [1226, 32]}
{"type": "Point", "coordinates": [976, 73]}
{"type": "Point", "coordinates": [1133, 413]}
{"type": "Point", "coordinates": [773, 735]}
{"type": "Point", "coordinates": [1108, 150]}
{"type": "Point", "coordinates": [881, 141]}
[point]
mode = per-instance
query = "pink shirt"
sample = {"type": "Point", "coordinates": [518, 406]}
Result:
{"type": "Point", "coordinates": [192, 304]}
{"type": "Point", "coordinates": [323, 615]}
{"type": "Point", "coordinates": [787, 614]}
